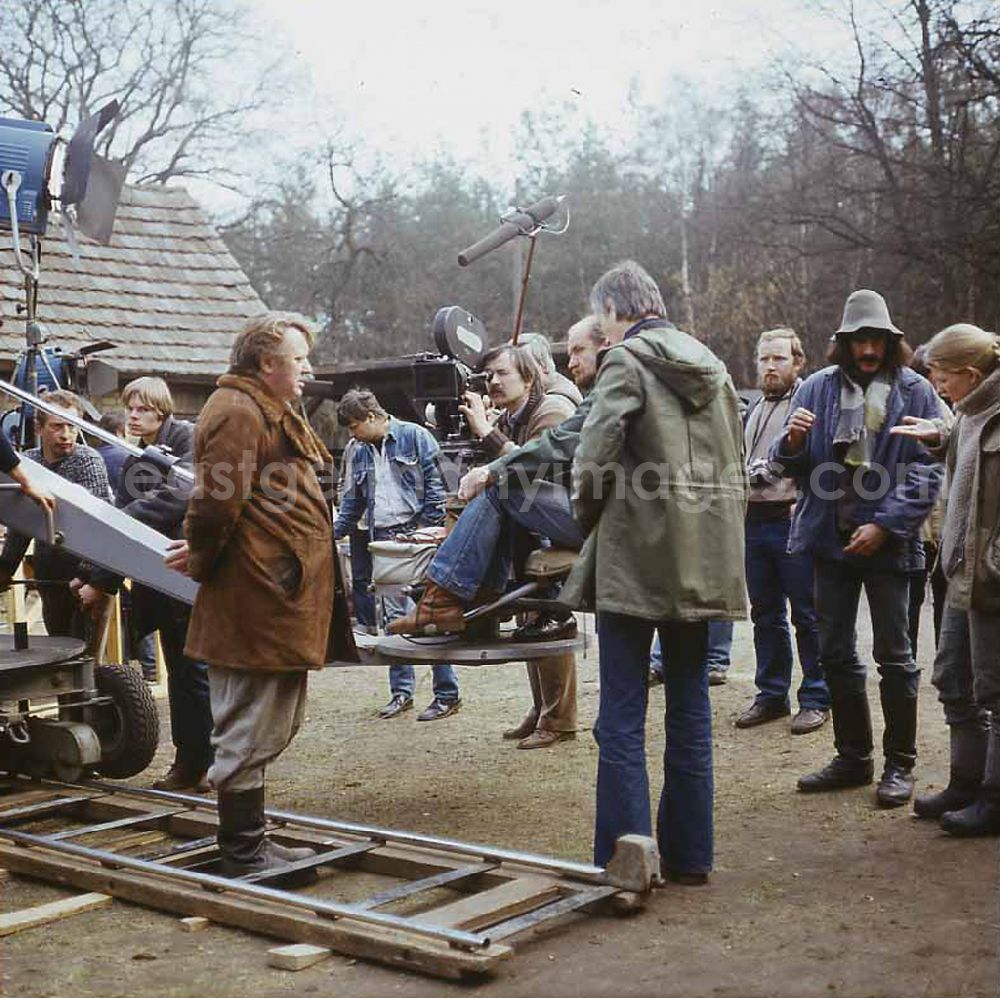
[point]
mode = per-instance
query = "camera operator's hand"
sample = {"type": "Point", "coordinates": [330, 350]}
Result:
{"type": "Point", "coordinates": [475, 414]}
{"type": "Point", "coordinates": [473, 482]}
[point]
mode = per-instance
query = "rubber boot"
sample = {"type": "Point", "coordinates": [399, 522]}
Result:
{"type": "Point", "coordinates": [852, 738]}
{"type": "Point", "coordinates": [968, 761]}
{"type": "Point", "coordinates": [244, 847]}
{"type": "Point", "coordinates": [899, 742]}
{"type": "Point", "coordinates": [982, 817]}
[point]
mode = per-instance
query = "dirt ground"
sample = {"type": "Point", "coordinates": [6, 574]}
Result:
{"type": "Point", "coordinates": [818, 895]}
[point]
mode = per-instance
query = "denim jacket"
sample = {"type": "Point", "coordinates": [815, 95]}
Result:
{"type": "Point", "coordinates": [898, 501]}
{"type": "Point", "coordinates": [413, 452]}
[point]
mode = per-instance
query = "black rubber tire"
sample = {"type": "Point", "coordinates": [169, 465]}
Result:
{"type": "Point", "coordinates": [128, 727]}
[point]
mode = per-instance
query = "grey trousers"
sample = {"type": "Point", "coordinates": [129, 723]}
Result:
{"type": "Point", "coordinates": [255, 714]}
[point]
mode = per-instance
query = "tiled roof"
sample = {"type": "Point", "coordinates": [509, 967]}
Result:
{"type": "Point", "coordinates": [166, 291]}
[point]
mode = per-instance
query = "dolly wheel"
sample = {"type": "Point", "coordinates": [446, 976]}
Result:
{"type": "Point", "coordinates": [128, 727]}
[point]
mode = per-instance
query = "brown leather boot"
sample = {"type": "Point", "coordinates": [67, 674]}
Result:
{"type": "Point", "coordinates": [438, 612]}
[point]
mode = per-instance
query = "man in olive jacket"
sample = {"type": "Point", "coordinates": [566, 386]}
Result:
{"type": "Point", "coordinates": [659, 487]}
{"type": "Point", "coordinates": [260, 541]}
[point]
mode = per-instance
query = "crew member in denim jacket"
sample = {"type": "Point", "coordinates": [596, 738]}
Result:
{"type": "Point", "coordinates": [865, 494]}
{"type": "Point", "coordinates": [394, 480]}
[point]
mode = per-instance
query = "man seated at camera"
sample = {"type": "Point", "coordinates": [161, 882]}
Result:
{"type": "Point", "coordinates": [526, 486]}
{"type": "Point", "coordinates": [394, 481]}
{"type": "Point", "coordinates": [60, 450]}
{"type": "Point", "coordinates": [527, 401]}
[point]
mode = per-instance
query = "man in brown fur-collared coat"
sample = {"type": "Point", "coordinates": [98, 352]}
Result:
{"type": "Point", "coordinates": [260, 543]}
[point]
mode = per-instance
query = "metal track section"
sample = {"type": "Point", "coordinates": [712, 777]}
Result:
{"type": "Point", "coordinates": [440, 906]}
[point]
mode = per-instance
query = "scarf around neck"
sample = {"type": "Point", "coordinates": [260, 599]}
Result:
{"type": "Point", "coordinates": [300, 434]}
{"type": "Point", "coordinates": [862, 415]}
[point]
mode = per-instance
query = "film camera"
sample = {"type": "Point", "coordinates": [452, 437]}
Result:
{"type": "Point", "coordinates": [426, 388]}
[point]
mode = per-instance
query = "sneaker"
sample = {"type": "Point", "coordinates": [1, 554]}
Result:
{"type": "Point", "coordinates": [437, 709]}
{"type": "Point", "coordinates": [399, 703]}
{"type": "Point", "coordinates": [716, 677]}
{"type": "Point", "coordinates": [654, 679]}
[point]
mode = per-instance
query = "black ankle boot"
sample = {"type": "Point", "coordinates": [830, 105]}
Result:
{"type": "Point", "coordinates": [840, 772]}
{"type": "Point", "coordinates": [852, 736]}
{"type": "Point", "coordinates": [895, 786]}
{"type": "Point", "coordinates": [968, 760]}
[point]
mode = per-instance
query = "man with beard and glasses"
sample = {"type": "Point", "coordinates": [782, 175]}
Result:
{"type": "Point", "coordinates": [774, 576]}
{"type": "Point", "coordinates": [864, 495]}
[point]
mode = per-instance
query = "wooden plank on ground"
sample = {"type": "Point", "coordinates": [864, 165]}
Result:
{"type": "Point", "coordinates": [495, 905]}
{"type": "Point", "coordinates": [17, 921]}
{"type": "Point", "coordinates": [297, 956]}
{"type": "Point", "coordinates": [370, 942]}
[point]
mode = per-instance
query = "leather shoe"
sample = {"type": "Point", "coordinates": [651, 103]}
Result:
{"type": "Point", "coordinates": [179, 777]}
{"type": "Point", "coordinates": [522, 730]}
{"type": "Point", "coordinates": [543, 738]}
{"type": "Point", "coordinates": [716, 677]}
{"type": "Point", "coordinates": [837, 774]}
{"type": "Point", "coordinates": [809, 719]}
{"type": "Point", "coordinates": [396, 706]}
{"type": "Point", "coordinates": [761, 713]}
{"type": "Point", "coordinates": [895, 787]}
{"type": "Point", "coordinates": [546, 629]}
{"type": "Point", "coordinates": [437, 709]}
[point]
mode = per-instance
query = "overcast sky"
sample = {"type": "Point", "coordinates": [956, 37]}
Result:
{"type": "Point", "coordinates": [456, 75]}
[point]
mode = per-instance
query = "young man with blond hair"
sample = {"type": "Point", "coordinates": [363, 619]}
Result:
{"type": "Point", "coordinates": [774, 576]}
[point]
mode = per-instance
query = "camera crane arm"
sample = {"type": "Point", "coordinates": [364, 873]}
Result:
{"type": "Point", "coordinates": [166, 463]}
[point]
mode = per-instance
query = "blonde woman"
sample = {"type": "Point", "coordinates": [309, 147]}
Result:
{"type": "Point", "coordinates": [965, 365]}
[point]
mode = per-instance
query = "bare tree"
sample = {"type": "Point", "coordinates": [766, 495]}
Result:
{"type": "Point", "coordinates": [185, 100]}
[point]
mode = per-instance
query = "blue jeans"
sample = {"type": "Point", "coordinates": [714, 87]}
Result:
{"type": "Point", "coordinates": [402, 678]}
{"type": "Point", "coordinates": [684, 819]}
{"type": "Point", "coordinates": [773, 576]}
{"type": "Point", "coordinates": [477, 552]}
{"type": "Point", "coordinates": [838, 592]}
{"type": "Point", "coordinates": [720, 646]}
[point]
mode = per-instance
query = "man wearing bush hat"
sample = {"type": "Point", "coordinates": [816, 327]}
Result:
{"type": "Point", "coordinates": [865, 494]}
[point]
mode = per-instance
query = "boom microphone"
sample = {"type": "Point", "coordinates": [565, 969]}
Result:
{"type": "Point", "coordinates": [513, 224]}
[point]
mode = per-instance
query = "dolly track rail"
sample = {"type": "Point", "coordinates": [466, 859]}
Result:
{"type": "Point", "coordinates": [454, 937]}
{"type": "Point", "coordinates": [545, 864]}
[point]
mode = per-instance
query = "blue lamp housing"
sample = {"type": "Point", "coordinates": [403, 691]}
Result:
{"type": "Point", "coordinates": [27, 147]}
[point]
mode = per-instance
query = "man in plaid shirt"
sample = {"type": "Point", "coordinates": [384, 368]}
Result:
{"type": "Point", "coordinates": [60, 451]}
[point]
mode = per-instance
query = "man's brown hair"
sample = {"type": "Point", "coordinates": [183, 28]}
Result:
{"type": "Point", "coordinates": [62, 398]}
{"type": "Point", "coordinates": [262, 335]}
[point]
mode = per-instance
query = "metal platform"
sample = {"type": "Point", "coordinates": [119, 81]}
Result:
{"type": "Point", "coordinates": [459, 650]}
{"type": "Point", "coordinates": [442, 907]}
